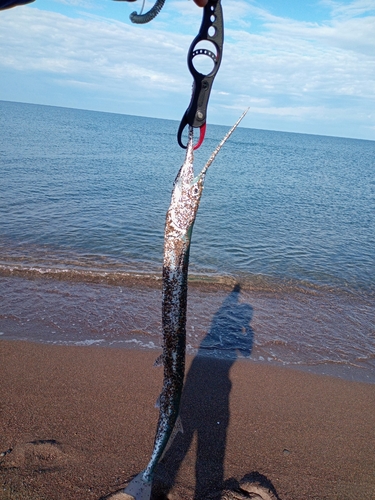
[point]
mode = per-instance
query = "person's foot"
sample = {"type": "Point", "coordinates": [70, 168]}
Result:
{"type": "Point", "coordinates": [250, 488]}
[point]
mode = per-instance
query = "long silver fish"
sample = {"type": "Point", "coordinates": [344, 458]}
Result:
{"type": "Point", "coordinates": [186, 195]}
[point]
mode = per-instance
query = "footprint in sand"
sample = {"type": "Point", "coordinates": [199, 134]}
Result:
{"type": "Point", "coordinates": [40, 454]}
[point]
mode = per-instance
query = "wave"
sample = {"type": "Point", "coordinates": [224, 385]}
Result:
{"type": "Point", "coordinates": [110, 275]}
{"type": "Point", "coordinates": [80, 275]}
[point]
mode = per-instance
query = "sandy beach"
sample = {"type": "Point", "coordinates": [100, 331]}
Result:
{"type": "Point", "coordinates": [79, 422]}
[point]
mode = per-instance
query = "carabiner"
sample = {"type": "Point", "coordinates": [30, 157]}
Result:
{"type": "Point", "coordinates": [211, 30]}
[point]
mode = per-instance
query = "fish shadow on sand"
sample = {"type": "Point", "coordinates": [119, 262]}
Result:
{"type": "Point", "coordinates": [204, 406]}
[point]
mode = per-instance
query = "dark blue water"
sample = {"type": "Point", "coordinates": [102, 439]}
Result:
{"type": "Point", "coordinates": [289, 216]}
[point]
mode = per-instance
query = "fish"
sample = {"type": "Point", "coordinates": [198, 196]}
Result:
{"type": "Point", "coordinates": [186, 195]}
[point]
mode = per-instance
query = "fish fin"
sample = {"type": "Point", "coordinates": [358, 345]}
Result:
{"type": "Point", "coordinates": [159, 360]}
{"type": "Point", "coordinates": [138, 488]}
{"type": "Point", "coordinates": [176, 429]}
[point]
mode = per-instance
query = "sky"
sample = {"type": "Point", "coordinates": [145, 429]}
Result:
{"type": "Point", "coordinates": [301, 66]}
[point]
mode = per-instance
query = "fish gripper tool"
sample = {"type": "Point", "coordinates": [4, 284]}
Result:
{"type": "Point", "coordinates": [211, 30]}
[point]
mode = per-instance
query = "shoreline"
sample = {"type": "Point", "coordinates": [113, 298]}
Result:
{"type": "Point", "coordinates": [80, 421]}
{"type": "Point", "coordinates": [318, 333]}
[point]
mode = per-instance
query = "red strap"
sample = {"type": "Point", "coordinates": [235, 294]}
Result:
{"type": "Point", "coordinates": [202, 133]}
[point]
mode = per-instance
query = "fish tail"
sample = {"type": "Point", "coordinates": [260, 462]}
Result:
{"type": "Point", "coordinates": [139, 488]}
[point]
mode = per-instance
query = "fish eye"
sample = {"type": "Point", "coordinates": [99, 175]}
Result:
{"type": "Point", "coordinates": [195, 190]}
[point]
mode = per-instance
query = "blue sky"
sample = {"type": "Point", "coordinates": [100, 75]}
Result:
{"type": "Point", "coordinates": [301, 66]}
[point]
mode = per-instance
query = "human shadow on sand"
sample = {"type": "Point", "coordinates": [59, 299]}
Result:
{"type": "Point", "coordinates": [204, 406]}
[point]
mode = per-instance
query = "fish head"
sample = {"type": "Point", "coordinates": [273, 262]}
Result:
{"type": "Point", "coordinates": [186, 194]}
{"type": "Point", "coordinates": [187, 188]}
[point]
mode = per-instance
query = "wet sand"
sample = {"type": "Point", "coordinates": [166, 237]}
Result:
{"type": "Point", "coordinates": [78, 422]}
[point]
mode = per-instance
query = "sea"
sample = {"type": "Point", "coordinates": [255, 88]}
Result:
{"type": "Point", "coordinates": [282, 262]}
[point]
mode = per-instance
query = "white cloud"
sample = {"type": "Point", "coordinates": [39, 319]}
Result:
{"type": "Point", "coordinates": [350, 10]}
{"type": "Point", "coordinates": [295, 111]}
{"type": "Point", "coordinates": [93, 48]}
{"type": "Point", "coordinates": [284, 68]}
{"type": "Point", "coordinates": [84, 4]}
{"type": "Point", "coordinates": [304, 59]}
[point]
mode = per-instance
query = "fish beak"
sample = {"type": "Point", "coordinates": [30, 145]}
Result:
{"type": "Point", "coordinates": [223, 141]}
